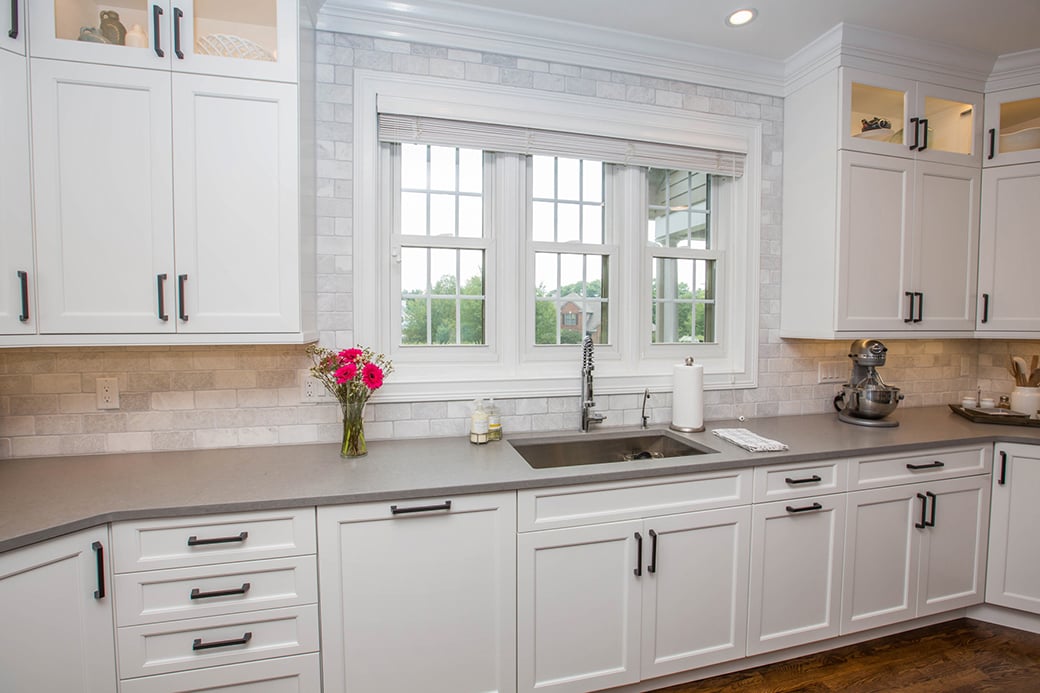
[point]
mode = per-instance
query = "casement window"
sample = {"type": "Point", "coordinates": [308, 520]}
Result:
{"type": "Point", "coordinates": [493, 246]}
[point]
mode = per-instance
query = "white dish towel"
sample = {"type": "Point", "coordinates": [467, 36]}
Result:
{"type": "Point", "coordinates": [748, 440]}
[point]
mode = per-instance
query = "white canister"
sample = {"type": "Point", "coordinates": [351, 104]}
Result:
{"type": "Point", "coordinates": [1026, 400]}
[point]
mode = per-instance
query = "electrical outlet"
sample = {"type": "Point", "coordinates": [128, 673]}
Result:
{"type": "Point", "coordinates": [313, 391]}
{"type": "Point", "coordinates": [832, 372]}
{"type": "Point", "coordinates": [108, 393]}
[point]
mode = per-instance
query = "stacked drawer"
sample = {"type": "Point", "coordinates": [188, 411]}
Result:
{"type": "Point", "coordinates": [222, 601]}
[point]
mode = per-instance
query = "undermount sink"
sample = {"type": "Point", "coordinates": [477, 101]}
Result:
{"type": "Point", "coordinates": [602, 448]}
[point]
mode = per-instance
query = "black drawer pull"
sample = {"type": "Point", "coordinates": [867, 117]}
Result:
{"type": "Point", "coordinates": [1003, 468]}
{"type": "Point", "coordinates": [652, 568]}
{"type": "Point", "coordinates": [924, 140]}
{"type": "Point", "coordinates": [992, 143]}
{"type": "Point", "coordinates": [639, 555]}
{"type": "Point", "coordinates": [924, 510]}
{"type": "Point", "coordinates": [177, 15]}
{"type": "Point", "coordinates": [985, 307]}
{"type": "Point", "coordinates": [181, 308]}
{"type": "Point", "coordinates": [199, 645]}
{"type": "Point", "coordinates": [23, 286]}
{"type": "Point", "coordinates": [156, 13]}
{"type": "Point", "coordinates": [196, 593]}
{"type": "Point", "coordinates": [160, 280]}
{"type": "Point", "coordinates": [930, 465]}
{"type": "Point", "coordinates": [195, 541]}
{"type": "Point", "coordinates": [446, 505]}
{"type": "Point", "coordinates": [805, 508]}
{"type": "Point", "coordinates": [931, 522]}
{"type": "Point", "coordinates": [99, 553]}
{"type": "Point", "coordinates": [917, 134]}
{"type": "Point", "coordinates": [815, 478]}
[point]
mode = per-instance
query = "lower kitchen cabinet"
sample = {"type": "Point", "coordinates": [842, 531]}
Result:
{"type": "Point", "coordinates": [914, 550]}
{"type": "Point", "coordinates": [1013, 575]}
{"type": "Point", "coordinates": [419, 595]}
{"type": "Point", "coordinates": [609, 604]}
{"type": "Point", "coordinates": [299, 674]}
{"type": "Point", "coordinates": [797, 548]}
{"type": "Point", "coordinates": [56, 611]}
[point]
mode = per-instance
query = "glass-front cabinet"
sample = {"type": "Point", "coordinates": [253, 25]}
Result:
{"type": "Point", "coordinates": [901, 117]}
{"type": "Point", "coordinates": [1013, 126]}
{"type": "Point", "coordinates": [241, 38]}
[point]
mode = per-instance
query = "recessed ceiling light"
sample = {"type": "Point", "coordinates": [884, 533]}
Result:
{"type": "Point", "coordinates": [741, 17]}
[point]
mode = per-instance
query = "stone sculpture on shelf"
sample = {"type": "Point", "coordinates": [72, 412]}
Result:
{"type": "Point", "coordinates": [111, 28]}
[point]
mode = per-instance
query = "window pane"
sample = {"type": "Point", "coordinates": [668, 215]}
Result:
{"type": "Point", "coordinates": [592, 181]}
{"type": "Point", "coordinates": [471, 314]}
{"type": "Point", "coordinates": [413, 166]}
{"type": "Point", "coordinates": [471, 171]}
{"type": "Point", "coordinates": [683, 300]}
{"type": "Point", "coordinates": [442, 215]}
{"type": "Point", "coordinates": [579, 306]}
{"type": "Point", "coordinates": [545, 323]}
{"type": "Point", "coordinates": [543, 177]}
{"type": "Point", "coordinates": [413, 321]}
{"type": "Point", "coordinates": [413, 271]}
{"type": "Point", "coordinates": [443, 269]}
{"type": "Point", "coordinates": [568, 223]}
{"type": "Point", "coordinates": [568, 179]}
{"type": "Point", "coordinates": [678, 209]}
{"type": "Point", "coordinates": [471, 272]}
{"type": "Point", "coordinates": [413, 214]}
{"type": "Point", "coordinates": [471, 217]}
{"type": "Point", "coordinates": [442, 168]}
{"type": "Point", "coordinates": [543, 221]}
{"type": "Point", "coordinates": [442, 321]}
{"type": "Point", "coordinates": [592, 223]}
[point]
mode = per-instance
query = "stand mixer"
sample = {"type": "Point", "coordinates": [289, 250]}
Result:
{"type": "Point", "coordinates": [865, 400]}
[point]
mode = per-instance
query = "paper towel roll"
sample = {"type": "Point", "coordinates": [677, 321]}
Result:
{"type": "Point", "coordinates": [688, 397]}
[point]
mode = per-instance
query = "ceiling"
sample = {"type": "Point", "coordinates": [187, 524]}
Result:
{"type": "Point", "coordinates": [783, 27]}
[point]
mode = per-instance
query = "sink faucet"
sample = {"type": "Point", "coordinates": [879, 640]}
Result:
{"type": "Point", "coordinates": [588, 416]}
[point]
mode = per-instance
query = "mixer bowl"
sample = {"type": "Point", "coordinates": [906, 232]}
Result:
{"type": "Point", "coordinates": [870, 403]}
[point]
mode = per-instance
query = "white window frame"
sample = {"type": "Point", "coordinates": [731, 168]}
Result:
{"type": "Point", "coordinates": [631, 363]}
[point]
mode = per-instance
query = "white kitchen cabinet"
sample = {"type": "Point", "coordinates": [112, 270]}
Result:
{"type": "Point", "coordinates": [419, 595]}
{"type": "Point", "coordinates": [256, 40]}
{"type": "Point", "coordinates": [12, 29]}
{"type": "Point", "coordinates": [1013, 574]}
{"type": "Point", "coordinates": [1008, 242]}
{"type": "Point", "coordinates": [296, 674]}
{"type": "Point", "coordinates": [914, 550]}
{"type": "Point", "coordinates": [927, 122]}
{"type": "Point", "coordinates": [1012, 126]}
{"type": "Point", "coordinates": [797, 548]}
{"type": "Point", "coordinates": [17, 269]}
{"type": "Point", "coordinates": [56, 612]}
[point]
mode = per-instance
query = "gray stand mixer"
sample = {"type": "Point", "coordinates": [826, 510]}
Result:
{"type": "Point", "coordinates": [865, 400]}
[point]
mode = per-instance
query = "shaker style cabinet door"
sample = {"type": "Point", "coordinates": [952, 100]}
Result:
{"type": "Point", "coordinates": [102, 181]}
{"type": "Point", "coordinates": [17, 271]}
{"type": "Point", "coordinates": [1013, 576]}
{"type": "Point", "coordinates": [56, 611]}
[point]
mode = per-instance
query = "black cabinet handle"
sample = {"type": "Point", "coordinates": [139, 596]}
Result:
{"type": "Point", "coordinates": [1003, 468]}
{"type": "Point", "coordinates": [446, 505]}
{"type": "Point", "coordinates": [639, 555]}
{"type": "Point", "coordinates": [920, 302]}
{"type": "Point", "coordinates": [930, 465]}
{"type": "Point", "coordinates": [99, 554]}
{"type": "Point", "coordinates": [196, 593]}
{"type": "Point", "coordinates": [199, 645]}
{"type": "Point", "coordinates": [160, 281]}
{"type": "Point", "coordinates": [910, 295]}
{"type": "Point", "coordinates": [181, 280]}
{"type": "Point", "coordinates": [177, 15]}
{"type": "Point", "coordinates": [804, 508]}
{"type": "Point", "coordinates": [13, 33]}
{"type": "Point", "coordinates": [924, 510]}
{"type": "Point", "coordinates": [23, 284]}
{"type": "Point", "coordinates": [195, 541]}
{"type": "Point", "coordinates": [811, 480]}
{"type": "Point", "coordinates": [992, 143]}
{"type": "Point", "coordinates": [156, 14]}
{"type": "Point", "coordinates": [931, 521]}
{"type": "Point", "coordinates": [985, 307]}
{"type": "Point", "coordinates": [924, 140]}
{"type": "Point", "coordinates": [917, 134]}
{"type": "Point", "coordinates": [652, 568]}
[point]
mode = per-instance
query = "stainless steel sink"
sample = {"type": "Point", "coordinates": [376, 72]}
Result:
{"type": "Point", "coordinates": [602, 448]}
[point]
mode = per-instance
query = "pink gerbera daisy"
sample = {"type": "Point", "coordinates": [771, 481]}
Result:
{"type": "Point", "coordinates": [346, 372]}
{"type": "Point", "coordinates": [351, 355]}
{"type": "Point", "coordinates": [372, 376]}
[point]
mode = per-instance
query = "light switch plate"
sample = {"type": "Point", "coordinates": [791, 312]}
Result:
{"type": "Point", "coordinates": [833, 372]}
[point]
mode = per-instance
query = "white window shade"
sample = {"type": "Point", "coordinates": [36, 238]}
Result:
{"type": "Point", "coordinates": [521, 140]}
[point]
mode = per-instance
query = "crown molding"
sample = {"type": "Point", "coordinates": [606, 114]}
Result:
{"type": "Point", "coordinates": [444, 23]}
{"type": "Point", "coordinates": [1015, 70]}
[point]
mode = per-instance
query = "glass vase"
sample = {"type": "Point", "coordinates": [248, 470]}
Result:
{"type": "Point", "coordinates": [353, 430]}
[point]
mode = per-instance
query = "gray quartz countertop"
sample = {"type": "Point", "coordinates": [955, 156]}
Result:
{"type": "Point", "coordinates": [41, 498]}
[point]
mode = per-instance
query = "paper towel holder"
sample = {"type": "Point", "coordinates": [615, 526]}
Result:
{"type": "Point", "coordinates": [686, 429]}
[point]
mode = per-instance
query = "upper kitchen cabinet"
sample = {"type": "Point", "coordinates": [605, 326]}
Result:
{"type": "Point", "coordinates": [901, 117]}
{"type": "Point", "coordinates": [1013, 126]}
{"type": "Point", "coordinates": [12, 31]}
{"type": "Point", "coordinates": [17, 271]}
{"type": "Point", "coordinates": [256, 39]}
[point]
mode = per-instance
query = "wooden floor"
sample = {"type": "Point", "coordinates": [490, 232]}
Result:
{"type": "Point", "coordinates": [961, 656]}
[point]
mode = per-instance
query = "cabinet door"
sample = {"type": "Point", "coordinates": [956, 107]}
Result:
{"type": "Point", "coordinates": [102, 176]}
{"type": "Point", "coordinates": [1012, 126]}
{"type": "Point", "coordinates": [297, 674]}
{"type": "Point", "coordinates": [1013, 575]}
{"type": "Point", "coordinates": [578, 607]}
{"type": "Point", "coordinates": [881, 546]}
{"type": "Point", "coordinates": [797, 549]}
{"type": "Point", "coordinates": [58, 631]}
{"type": "Point", "coordinates": [953, 547]}
{"type": "Point", "coordinates": [946, 238]}
{"type": "Point", "coordinates": [949, 125]}
{"type": "Point", "coordinates": [12, 28]}
{"type": "Point", "coordinates": [74, 30]}
{"type": "Point", "coordinates": [237, 205]}
{"type": "Point", "coordinates": [419, 600]}
{"type": "Point", "coordinates": [695, 577]}
{"type": "Point", "coordinates": [874, 253]}
{"type": "Point", "coordinates": [17, 271]}
{"type": "Point", "coordinates": [1008, 246]}
{"type": "Point", "coordinates": [876, 112]}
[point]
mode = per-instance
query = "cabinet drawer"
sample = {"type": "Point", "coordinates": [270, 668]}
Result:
{"type": "Point", "coordinates": [570, 506]}
{"type": "Point", "coordinates": [890, 470]}
{"type": "Point", "coordinates": [281, 675]}
{"type": "Point", "coordinates": [204, 642]}
{"type": "Point", "coordinates": [226, 588]}
{"type": "Point", "coordinates": [800, 480]}
{"type": "Point", "coordinates": [183, 542]}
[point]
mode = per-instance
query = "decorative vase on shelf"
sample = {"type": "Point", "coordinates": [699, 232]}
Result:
{"type": "Point", "coordinates": [1026, 400]}
{"type": "Point", "coordinates": [353, 444]}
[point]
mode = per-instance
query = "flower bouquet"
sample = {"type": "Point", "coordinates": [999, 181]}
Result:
{"type": "Point", "coordinates": [351, 375]}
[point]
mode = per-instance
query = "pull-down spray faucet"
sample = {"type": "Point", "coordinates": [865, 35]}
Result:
{"type": "Point", "coordinates": [588, 416]}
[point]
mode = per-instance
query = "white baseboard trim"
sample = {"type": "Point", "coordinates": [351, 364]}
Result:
{"type": "Point", "coordinates": [1010, 618]}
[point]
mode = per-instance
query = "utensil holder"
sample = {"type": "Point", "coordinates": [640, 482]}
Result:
{"type": "Point", "coordinates": [1026, 400]}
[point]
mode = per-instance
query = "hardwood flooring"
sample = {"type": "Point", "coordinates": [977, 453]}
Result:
{"type": "Point", "coordinates": [962, 656]}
